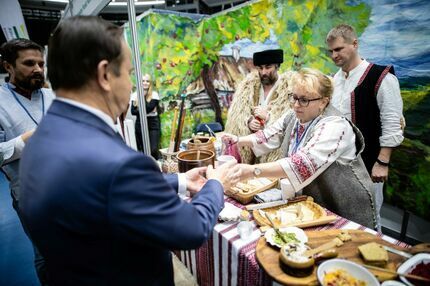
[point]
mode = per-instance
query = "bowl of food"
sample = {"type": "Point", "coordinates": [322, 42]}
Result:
{"type": "Point", "coordinates": [190, 159]}
{"type": "Point", "coordinates": [343, 272]}
{"type": "Point", "coordinates": [419, 265]}
{"type": "Point", "coordinates": [293, 260]}
{"type": "Point", "coordinates": [289, 234]}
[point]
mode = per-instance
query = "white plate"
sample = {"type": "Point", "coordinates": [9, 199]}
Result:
{"type": "Point", "coordinates": [409, 264]}
{"type": "Point", "coordinates": [355, 270]}
{"type": "Point", "coordinates": [392, 283]}
{"type": "Point", "coordinates": [300, 235]}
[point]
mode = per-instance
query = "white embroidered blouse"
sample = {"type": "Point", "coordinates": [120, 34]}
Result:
{"type": "Point", "coordinates": [313, 146]}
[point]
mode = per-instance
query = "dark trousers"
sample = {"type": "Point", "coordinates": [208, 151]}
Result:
{"type": "Point", "coordinates": [39, 261]}
{"type": "Point", "coordinates": [154, 130]}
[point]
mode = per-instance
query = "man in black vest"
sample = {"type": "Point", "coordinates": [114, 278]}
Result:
{"type": "Point", "coordinates": [369, 95]}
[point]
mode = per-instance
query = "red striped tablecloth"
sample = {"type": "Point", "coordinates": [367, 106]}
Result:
{"type": "Point", "coordinates": [225, 259]}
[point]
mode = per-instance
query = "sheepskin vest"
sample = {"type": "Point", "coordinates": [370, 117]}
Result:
{"type": "Point", "coordinates": [244, 99]}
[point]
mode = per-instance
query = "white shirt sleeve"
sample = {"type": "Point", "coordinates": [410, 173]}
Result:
{"type": "Point", "coordinates": [332, 139]}
{"type": "Point", "coordinates": [11, 150]}
{"type": "Point", "coordinates": [182, 184]}
{"type": "Point", "coordinates": [391, 108]}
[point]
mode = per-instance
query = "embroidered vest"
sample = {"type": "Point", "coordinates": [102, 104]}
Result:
{"type": "Point", "coordinates": [344, 189]}
{"type": "Point", "coordinates": [365, 111]}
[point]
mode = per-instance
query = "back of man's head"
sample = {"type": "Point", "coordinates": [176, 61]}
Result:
{"type": "Point", "coordinates": [9, 50]}
{"type": "Point", "coordinates": [345, 31]}
{"type": "Point", "coordinates": [77, 46]}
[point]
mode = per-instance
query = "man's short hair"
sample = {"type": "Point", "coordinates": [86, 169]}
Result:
{"type": "Point", "coordinates": [268, 57]}
{"type": "Point", "coordinates": [77, 46]}
{"type": "Point", "coordinates": [345, 31]}
{"type": "Point", "coordinates": [9, 50]}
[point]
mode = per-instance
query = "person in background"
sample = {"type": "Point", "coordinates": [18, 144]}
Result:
{"type": "Point", "coordinates": [100, 212]}
{"type": "Point", "coordinates": [369, 96]}
{"type": "Point", "coordinates": [260, 99]}
{"type": "Point", "coordinates": [151, 104]}
{"type": "Point", "coordinates": [23, 102]}
{"type": "Point", "coordinates": [321, 150]}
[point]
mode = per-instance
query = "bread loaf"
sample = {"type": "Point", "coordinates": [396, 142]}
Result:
{"type": "Point", "coordinates": [374, 254]}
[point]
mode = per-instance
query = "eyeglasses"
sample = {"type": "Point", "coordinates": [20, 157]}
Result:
{"type": "Point", "coordinates": [303, 102]}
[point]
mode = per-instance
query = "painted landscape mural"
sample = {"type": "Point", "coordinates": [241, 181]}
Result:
{"type": "Point", "coordinates": [206, 57]}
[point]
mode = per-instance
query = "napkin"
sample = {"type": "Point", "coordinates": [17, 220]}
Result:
{"type": "Point", "coordinates": [229, 212]}
{"type": "Point", "coordinates": [270, 195]}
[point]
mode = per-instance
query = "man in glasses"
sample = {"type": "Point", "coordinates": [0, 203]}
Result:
{"type": "Point", "coordinates": [261, 98]}
{"type": "Point", "coordinates": [369, 95]}
{"type": "Point", "coordinates": [23, 102]}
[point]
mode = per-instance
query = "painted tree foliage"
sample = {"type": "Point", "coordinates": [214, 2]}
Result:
{"type": "Point", "coordinates": [176, 50]}
{"type": "Point", "coordinates": [179, 49]}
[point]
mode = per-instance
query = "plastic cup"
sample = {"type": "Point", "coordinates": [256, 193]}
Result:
{"type": "Point", "coordinates": [287, 190]}
{"type": "Point", "coordinates": [244, 228]}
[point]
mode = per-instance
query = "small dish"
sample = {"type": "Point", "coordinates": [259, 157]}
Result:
{"type": "Point", "coordinates": [353, 269]}
{"type": "Point", "coordinates": [409, 265]}
{"type": "Point", "coordinates": [293, 262]}
{"type": "Point", "coordinates": [299, 234]}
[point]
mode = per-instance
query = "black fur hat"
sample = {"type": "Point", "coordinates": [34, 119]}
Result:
{"type": "Point", "coordinates": [268, 57]}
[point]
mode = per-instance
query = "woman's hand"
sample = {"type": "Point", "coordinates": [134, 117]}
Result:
{"type": "Point", "coordinates": [228, 174]}
{"type": "Point", "coordinates": [228, 138]}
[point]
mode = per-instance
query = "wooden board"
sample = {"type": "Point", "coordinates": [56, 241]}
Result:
{"type": "Point", "coordinates": [319, 214]}
{"type": "Point", "coordinates": [268, 256]}
{"type": "Point", "coordinates": [246, 198]}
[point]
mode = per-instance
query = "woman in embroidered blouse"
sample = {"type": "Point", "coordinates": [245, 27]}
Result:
{"type": "Point", "coordinates": [321, 150]}
{"type": "Point", "coordinates": [151, 104]}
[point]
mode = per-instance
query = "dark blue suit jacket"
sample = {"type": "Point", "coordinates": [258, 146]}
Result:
{"type": "Point", "coordinates": [101, 213]}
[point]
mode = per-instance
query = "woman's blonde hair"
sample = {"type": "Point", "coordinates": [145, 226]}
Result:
{"type": "Point", "coordinates": [313, 81]}
{"type": "Point", "coordinates": [148, 96]}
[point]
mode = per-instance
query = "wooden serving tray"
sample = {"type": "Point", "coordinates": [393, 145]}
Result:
{"type": "Point", "coordinates": [246, 198]}
{"type": "Point", "coordinates": [268, 256]}
{"type": "Point", "coordinates": [320, 215]}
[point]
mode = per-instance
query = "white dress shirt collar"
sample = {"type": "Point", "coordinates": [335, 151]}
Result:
{"type": "Point", "coordinates": [97, 112]}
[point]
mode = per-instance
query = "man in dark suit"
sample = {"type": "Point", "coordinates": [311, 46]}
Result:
{"type": "Point", "coordinates": [101, 213]}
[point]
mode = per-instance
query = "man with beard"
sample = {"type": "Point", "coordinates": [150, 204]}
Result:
{"type": "Point", "coordinates": [23, 102]}
{"type": "Point", "coordinates": [260, 99]}
{"type": "Point", "coordinates": [368, 95]}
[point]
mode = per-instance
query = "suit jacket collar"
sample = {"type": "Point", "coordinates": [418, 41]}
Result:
{"type": "Point", "coordinates": [63, 109]}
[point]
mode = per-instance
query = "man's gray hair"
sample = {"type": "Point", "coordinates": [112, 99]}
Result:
{"type": "Point", "coordinates": [345, 31]}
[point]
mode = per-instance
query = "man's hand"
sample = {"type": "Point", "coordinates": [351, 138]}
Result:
{"type": "Point", "coordinates": [254, 125]}
{"type": "Point", "coordinates": [25, 136]}
{"type": "Point", "coordinates": [261, 112]}
{"type": "Point", "coordinates": [228, 174]}
{"type": "Point", "coordinates": [379, 173]}
{"type": "Point", "coordinates": [195, 179]}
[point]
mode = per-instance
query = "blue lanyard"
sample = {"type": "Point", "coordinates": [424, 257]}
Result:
{"type": "Point", "coordinates": [299, 139]}
{"type": "Point", "coordinates": [23, 107]}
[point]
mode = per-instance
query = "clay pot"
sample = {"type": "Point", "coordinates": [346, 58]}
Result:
{"type": "Point", "coordinates": [204, 144]}
{"type": "Point", "coordinates": [187, 160]}
{"type": "Point", "coordinates": [170, 161]}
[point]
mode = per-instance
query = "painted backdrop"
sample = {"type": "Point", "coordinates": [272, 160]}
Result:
{"type": "Point", "coordinates": [205, 58]}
